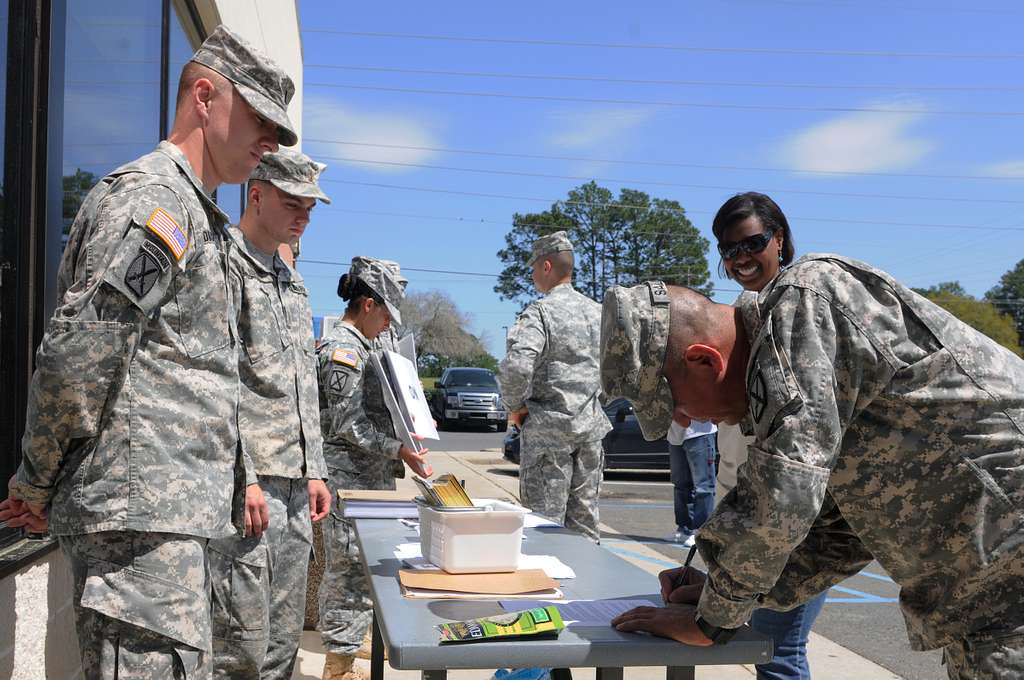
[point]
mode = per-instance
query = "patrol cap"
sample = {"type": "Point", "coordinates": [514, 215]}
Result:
{"type": "Point", "coordinates": [262, 83]}
{"type": "Point", "coordinates": [634, 337]}
{"type": "Point", "coordinates": [292, 172]}
{"type": "Point", "coordinates": [396, 271]}
{"type": "Point", "coordinates": [547, 245]}
{"type": "Point", "coordinates": [380, 279]}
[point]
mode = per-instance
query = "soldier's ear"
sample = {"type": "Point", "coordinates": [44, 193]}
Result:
{"type": "Point", "coordinates": [704, 360]}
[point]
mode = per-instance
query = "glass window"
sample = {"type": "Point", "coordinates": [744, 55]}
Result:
{"type": "Point", "coordinates": [180, 50]}
{"type": "Point", "coordinates": [111, 91]}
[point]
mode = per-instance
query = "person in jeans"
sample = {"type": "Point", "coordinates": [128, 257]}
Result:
{"type": "Point", "coordinates": [692, 449]}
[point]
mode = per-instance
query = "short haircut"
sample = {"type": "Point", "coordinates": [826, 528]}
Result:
{"type": "Point", "coordinates": [193, 71]}
{"type": "Point", "coordinates": [690, 321]}
{"type": "Point", "coordinates": [562, 262]}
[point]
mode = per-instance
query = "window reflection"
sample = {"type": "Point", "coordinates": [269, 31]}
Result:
{"type": "Point", "coordinates": [111, 91]}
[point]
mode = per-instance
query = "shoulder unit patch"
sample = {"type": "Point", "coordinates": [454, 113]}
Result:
{"type": "Point", "coordinates": [345, 357]}
{"type": "Point", "coordinates": [161, 224]}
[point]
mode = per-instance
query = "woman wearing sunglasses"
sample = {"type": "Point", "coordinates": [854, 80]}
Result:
{"type": "Point", "coordinates": [755, 243]}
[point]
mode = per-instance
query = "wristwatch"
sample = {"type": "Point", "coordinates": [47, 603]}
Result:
{"type": "Point", "coordinates": [717, 635]}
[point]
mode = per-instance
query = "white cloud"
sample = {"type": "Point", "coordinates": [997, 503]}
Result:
{"type": "Point", "coordinates": [1005, 169]}
{"type": "Point", "coordinates": [591, 129]}
{"type": "Point", "coordinates": [857, 142]}
{"type": "Point", "coordinates": [325, 118]}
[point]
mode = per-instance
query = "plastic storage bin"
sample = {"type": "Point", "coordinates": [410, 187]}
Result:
{"type": "Point", "coordinates": [487, 538]}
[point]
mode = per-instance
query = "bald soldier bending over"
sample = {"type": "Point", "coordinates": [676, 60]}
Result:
{"type": "Point", "coordinates": [884, 429]}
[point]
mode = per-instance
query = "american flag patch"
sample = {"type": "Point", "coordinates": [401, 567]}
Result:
{"type": "Point", "coordinates": [346, 357]}
{"type": "Point", "coordinates": [166, 229]}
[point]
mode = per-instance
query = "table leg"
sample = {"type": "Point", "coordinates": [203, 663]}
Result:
{"type": "Point", "coordinates": [679, 673]}
{"type": "Point", "coordinates": [435, 675]}
{"type": "Point", "coordinates": [609, 674]}
{"type": "Point", "coordinates": [376, 652]}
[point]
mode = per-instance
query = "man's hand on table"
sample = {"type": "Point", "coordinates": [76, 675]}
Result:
{"type": "Point", "coordinates": [676, 622]}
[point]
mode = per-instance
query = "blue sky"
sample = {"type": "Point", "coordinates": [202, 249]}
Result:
{"type": "Point", "coordinates": [884, 164]}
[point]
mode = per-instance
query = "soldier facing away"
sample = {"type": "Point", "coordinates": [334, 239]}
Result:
{"type": "Point", "coordinates": [884, 429]}
{"type": "Point", "coordinates": [259, 581]}
{"type": "Point", "coordinates": [130, 442]}
{"type": "Point", "coordinates": [550, 385]}
{"type": "Point", "coordinates": [360, 447]}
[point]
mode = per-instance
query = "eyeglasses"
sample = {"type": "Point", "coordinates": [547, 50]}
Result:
{"type": "Point", "coordinates": [751, 245]}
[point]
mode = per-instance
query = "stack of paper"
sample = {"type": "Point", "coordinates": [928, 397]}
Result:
{"type": "Point", "coordinates": [531, 584]}
{"type": "Point", "coordinates": [403, 395]}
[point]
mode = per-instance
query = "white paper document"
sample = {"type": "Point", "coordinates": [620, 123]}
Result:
{"type": "Point", "coordinates": [408, 391]}
{"type": "Point", "coordinates": [582, 612]}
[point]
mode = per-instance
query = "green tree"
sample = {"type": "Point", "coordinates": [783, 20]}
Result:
{"type": "Point", "coordinates": [617, 241]}
{"type": "Point", "coordinates": [1008, 296]}
{"type": "Point", "coordinates": [76, 187]}
{"type": "Point", "coordinates": [981, 315]}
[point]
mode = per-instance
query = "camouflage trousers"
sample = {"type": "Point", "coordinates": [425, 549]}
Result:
{"type": "Point", "coordinates": [561, 480]}
{"type": "Point", "coordinates": [142, 608]}
{"type": "Point", "coordinates": [346, 610]}
{"type": "Point", "coordinates": [997, 655]}
{"type": "Point", "coordinates": [259, 588]}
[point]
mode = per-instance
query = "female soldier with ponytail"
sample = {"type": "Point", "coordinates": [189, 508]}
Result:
{"type": "Point", "coordinates": [360, 447]}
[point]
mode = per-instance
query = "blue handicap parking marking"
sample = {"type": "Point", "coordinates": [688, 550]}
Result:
{"type": "Point", "coordinates": [857, 597]}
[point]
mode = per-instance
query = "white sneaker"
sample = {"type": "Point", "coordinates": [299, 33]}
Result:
{"type": "Point", "coordinates": [684, 538]}
{"type": "Point", "coordinates": [690, 540]}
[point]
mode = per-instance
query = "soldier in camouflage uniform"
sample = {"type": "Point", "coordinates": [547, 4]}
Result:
{"type": "Point", "coordinates": [884, 429]}
{"type": "Point", "coordinates": [360, 448]}
{"type": "Point", "coordinates": [259, 582]}
{"type": "Point", "coordinates": [551, 388]}
{"type": "Point", "coordinates": [130, 440]}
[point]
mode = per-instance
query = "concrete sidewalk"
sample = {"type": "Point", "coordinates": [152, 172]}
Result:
{"type": "Point", "coordinates": [828, 660]}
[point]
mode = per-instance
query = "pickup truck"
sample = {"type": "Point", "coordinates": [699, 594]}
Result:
{"type": "Point", "coordinates": [468, 395]}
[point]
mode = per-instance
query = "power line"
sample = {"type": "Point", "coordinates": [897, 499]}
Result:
{"type": "Point", "coordinates": [714, 187]}
{"type": "Point", "coordinates": [680, 83]}
{"type": "Point", "coordinates": [670, 164]}
{"type": "Point", "coordinates": [666, 47]}
{"type": "Point", "coordinates": [627, 206]}
{"type": "Point", "coordinates": [671, 104]}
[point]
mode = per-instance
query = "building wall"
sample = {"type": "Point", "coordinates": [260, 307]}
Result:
{"type": "Point", "coordinates": [39, 642]}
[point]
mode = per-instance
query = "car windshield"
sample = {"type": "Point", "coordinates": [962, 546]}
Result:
{"type": "Point", "coordinates": [470, 377]}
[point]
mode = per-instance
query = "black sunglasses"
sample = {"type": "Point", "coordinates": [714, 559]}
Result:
{"type": "Point", "coordinates": [751, 245]}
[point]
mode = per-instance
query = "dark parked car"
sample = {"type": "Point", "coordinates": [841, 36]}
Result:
{"type": "Point", "coordinates": [468, 395]}
{"type": "Point", "coordinates": [624, 446]}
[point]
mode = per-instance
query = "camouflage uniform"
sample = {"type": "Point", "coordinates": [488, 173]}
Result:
{"type": "Point", "coordinates": [551, 368]}
{"type": "Point", "coordinates": [259, 583]}
{"type": "Point", "coordinates": [884, 429]}
{"type": "Point", "coordinates": [131, 425]}
{"type": "Point", "coordinates": [360, 448]}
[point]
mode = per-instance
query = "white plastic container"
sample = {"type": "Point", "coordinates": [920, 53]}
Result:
{"type": "Point", "coordinates": [472, 541]}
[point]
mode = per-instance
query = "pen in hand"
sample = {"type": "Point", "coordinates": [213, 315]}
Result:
{"type": "Point", "coordinates": [681, 581]}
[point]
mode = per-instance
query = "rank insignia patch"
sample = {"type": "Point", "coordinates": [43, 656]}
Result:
{"type": "Point", "coordinates": [167, 230]}
{"type": "Point", "coordinates": [346, 357]}
{"type": "Point", "coordinates": [142, 273]}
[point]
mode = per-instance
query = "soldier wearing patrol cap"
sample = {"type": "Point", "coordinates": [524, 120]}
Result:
{"type": "Point", "coordinates": [258, 621]}
{"type": "Point", "coordinates": [360, 447]}
{"type": "Point", "coordinates": [550, 385]}
{"type": "Point", "coordinates": [884, 429]}
{"type": "Point", "coordinates": [130, 443]}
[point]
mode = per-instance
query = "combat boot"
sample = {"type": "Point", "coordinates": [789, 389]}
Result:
{"type": "Point", "coordinates": [340, 667]}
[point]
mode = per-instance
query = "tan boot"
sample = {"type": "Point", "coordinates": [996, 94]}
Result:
{"type": "Point", "coordinates": [364, 649]}
{"type": "Point", "coordinates": [339, 667]}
